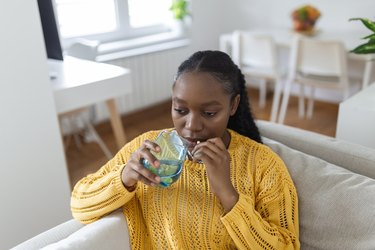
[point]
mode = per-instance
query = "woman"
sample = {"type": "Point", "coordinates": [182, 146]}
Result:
{"type": "Point", "coordinates": [233, 193]}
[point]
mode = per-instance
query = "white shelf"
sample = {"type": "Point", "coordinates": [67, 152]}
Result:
{"type": "Point", "coordinates": [356, 120]}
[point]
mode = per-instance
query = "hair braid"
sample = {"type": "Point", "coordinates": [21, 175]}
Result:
{"type": "Point", "coordinates": [221, 66]}
{"type": "Point", "coordinates": [242, 121]}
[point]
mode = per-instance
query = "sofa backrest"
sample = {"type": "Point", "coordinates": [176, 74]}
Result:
{"type": "Point", "coordinates": [354, 157]}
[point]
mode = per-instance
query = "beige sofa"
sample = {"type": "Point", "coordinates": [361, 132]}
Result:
{"type": "Point", "coordinates": [335, 181]}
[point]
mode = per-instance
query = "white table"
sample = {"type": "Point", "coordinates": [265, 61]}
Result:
{"type": "Point", "coordinates": [283, 38]}
{"type": "Point", "coordinates": [78, 83]}
{"type": "Point", "coordinates": [356, 120]}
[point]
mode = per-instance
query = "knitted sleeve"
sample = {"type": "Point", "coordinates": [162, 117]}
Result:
{"type": "Point", "coordinates": [102, 192]}
{"type": "Point", "coordinates": [270, 219]}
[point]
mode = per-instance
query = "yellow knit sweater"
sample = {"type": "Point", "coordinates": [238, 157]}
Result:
{"type": "Point", "coordinates": [187, 215]}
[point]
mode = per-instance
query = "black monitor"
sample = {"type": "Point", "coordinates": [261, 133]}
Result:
{"type": "Point", "coordinates": [50, 32]}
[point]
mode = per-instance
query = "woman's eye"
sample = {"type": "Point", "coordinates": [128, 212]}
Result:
{"type": "Point", "coordinates": [180, 111]}
{"type": "Point", "coordinates": [209, 114]}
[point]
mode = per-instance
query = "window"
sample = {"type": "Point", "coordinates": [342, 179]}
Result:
{"type": "Point", "coordinates": [110, 20]}
{"type": "Point", "coordinates": [143, 13]}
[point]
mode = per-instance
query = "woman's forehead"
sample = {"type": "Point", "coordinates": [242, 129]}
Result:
{"type": "Point", "coordinates": [201, 87]}
{"type": "Point", "coordinates": [198, 81]}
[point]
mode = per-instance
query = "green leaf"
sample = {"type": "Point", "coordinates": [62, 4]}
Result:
{"type": "Point", "coordinates": [303, 14]}
{"type": "Point", "coordinates": [179, 9]}
{"type": "Point", "coordinates": [371, 37]}
{"type": "Point", "coordinates": [367, 22]}
{"type": "Point", "coordinates": [366, 48]}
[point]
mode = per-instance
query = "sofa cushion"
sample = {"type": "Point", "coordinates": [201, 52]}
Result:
{"type": "Point", "coordinates": [336, 206]}
{"type": "Point", "coordinates": [110, 232]}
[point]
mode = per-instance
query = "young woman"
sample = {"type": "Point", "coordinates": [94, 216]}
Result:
{"type": "Point", "coordinates": [234, 193]}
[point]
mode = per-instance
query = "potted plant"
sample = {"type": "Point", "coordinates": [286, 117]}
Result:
{"type": "Point", "coordinates": [179, 9]}
{"type": "Point", "coordinates": [369, 46]}
{"type": "Point", "coordinates": [180, 12]}
{"type": "Point", "coordinates": [366, 48]}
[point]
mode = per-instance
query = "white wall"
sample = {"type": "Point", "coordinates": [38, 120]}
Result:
{"type": "Point", "coordinates": [33, 182]}
{"type": "Point", "coordinates": [207, 20]}
{"type": "Point", "coordinates": [272, 13]}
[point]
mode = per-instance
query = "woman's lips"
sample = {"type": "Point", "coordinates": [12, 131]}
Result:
{"type": "Point", "coordinates": [192, 143]}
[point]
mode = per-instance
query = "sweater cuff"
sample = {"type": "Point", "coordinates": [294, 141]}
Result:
{"type": "Point", "coordinates": [120, 186]}
{"type": "Point", "coordinates": [242, 206]}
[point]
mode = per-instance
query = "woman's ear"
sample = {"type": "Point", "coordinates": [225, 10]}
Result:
{"type": "Point", "coordinates": [235, 103]}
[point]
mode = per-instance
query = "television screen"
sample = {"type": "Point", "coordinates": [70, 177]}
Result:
{"type": "Point", "coordinates": [50, 32]}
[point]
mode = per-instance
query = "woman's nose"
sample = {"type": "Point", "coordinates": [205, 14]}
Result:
{"type": "Point", "coordinates": [193, 122]}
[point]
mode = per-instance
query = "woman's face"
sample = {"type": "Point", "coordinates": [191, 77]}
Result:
{"type": "Point", "coordinates": [201, 108]}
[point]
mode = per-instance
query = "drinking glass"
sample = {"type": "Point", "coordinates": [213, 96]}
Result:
{"type": "Point", "coordinates": [172, 156]}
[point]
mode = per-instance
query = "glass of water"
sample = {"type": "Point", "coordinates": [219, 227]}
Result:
{"type": "Point", "coordinates": [171, 156]}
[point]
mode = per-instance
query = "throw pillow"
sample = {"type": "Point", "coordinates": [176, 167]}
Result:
{"type": "Point", "coordinates": [336, 206]}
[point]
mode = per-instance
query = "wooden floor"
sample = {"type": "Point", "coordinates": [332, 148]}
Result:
{"type": "Point", "coordinates": [88, 158]}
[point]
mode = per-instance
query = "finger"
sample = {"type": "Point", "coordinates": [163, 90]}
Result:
{"type": "Point", "coordinates": [205, 153]}
{"type": "Point", "coordinates": [211, 145]}
{"type": "Point", "coordinates": [144, 173]}
{"type": "Point", "coordinates": [197, 147]}
{"type": "Point", "coordinates": [218, 142]}
{"type": "Point", "coordinates": [138, 177]}
{"type": "Point", "coordinates": [133, 172]}
{"type": "Point", "coordinates": [144, 152]}
{"type": "Point", "coordinates": [151, 145]}
{"type": "Point", "coordinates": [216, 146]}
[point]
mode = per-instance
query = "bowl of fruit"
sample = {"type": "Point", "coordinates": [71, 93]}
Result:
{"type": "Point", "coordinates": [304, 19]}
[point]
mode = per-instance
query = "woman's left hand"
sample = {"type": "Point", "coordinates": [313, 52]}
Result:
{"type": "Point", "coordinates": [216, 159]}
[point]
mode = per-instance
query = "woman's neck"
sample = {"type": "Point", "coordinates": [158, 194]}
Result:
{"type": "Point", "coordinates": [226, 138]}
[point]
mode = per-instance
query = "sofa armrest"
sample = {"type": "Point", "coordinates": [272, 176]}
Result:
{"type": "Point", "coordinates": [354, 157]}
{"type": "Point", "coordinates": [50, 236]}
{"type": "Point", "coordinates": [110, 232]}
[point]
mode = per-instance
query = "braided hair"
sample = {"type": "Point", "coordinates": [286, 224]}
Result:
{"type": "Point", "coordinates": [221, 66]}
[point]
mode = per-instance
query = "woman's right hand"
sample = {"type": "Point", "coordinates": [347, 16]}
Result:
{"type": "Point", "coordinates": [134, 170]}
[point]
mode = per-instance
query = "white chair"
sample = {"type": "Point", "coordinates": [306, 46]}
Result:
{"type": "Point", "coordinates": [256, 55]}
{"type": "Point", "coordinates": [80, 120]}
{"type": "Point", "coordinates": [317, 64]}
{"type": "Point", "coordinates": [84, 49]}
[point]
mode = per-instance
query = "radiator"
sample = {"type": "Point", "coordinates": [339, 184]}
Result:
{"type": "Point", "coordinates": [152, 78]}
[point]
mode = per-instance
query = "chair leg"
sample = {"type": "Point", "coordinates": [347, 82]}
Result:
{"type": "Point", "coordinates": [97, 138]}
{"type": "Point", "coordinates": [73, 120]}
{"type": "Point", "coordinates": [78, 118]}
{"type": "Point", "coordinates": [310, 106]}
{"type": "Point", "coordinates": [367, 73]}
{"type": "Point", "coordinates": [301, 101]}
{"type": "Point", "coordinates": [284, 103]}
{"type": "Point", "coordinates": [276, 100]}
{"type": "Point", "coordinates": [262, 93]}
